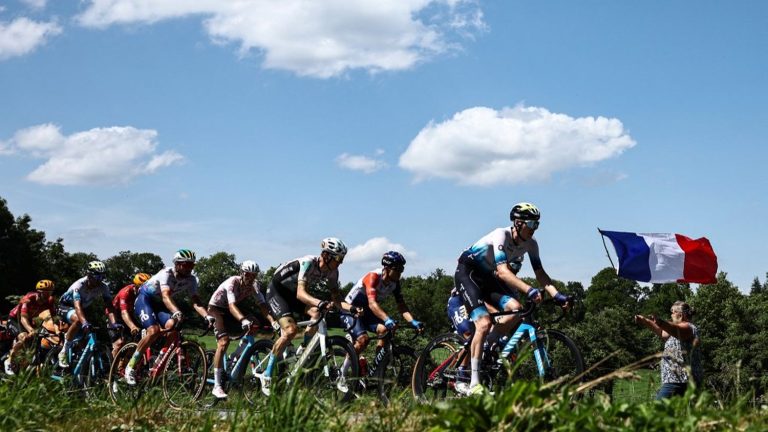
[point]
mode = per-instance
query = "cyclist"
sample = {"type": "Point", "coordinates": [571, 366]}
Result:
{"type": "Point", "coordinates": [20, 319]}
{"type": "Point", "coordinates": [223, 306]}
{"type": "Point", "coordinates": [487, 284]}
{"type": "Point", "coordinates": [123, 302]}
{"type": "Point", "coordinates": [371, 289]}
{"type": "Point", "coordinates": [155, 306]}
{"type": "Point", "coordinates": [76, 300]}
{"type": "Point", "coordinates": [295, 288]}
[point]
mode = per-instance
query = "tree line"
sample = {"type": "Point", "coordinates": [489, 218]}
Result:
{"type": "Point", "coordinates": [734, 326]}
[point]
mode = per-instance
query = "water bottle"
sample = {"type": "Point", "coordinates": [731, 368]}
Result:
{"type": "Point", "coordinates": [363, 362]}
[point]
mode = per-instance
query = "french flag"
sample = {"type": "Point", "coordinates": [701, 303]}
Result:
{"type": "Point", "coordinates": [663, 258]}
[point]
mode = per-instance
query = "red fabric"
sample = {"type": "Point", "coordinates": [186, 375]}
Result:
{"type": "Point", "coordinates": [33, 304]}
{"type": "Point", "coordinates": [700, 260]}
{"type": "Point", "coordinates": [125, 298]}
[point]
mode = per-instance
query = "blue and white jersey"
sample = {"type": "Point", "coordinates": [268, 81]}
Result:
{"type": "Point", "coordinates": [498, 247]}
{"type": "Point", "coordinates": [167, 277]}
{"type": "Point", "coordinates": [80, 291]}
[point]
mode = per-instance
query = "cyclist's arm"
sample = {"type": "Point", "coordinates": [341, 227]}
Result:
{"type": "Point", "coordinates": [545, 281]}
{"type": "Point", "coordinates": [128, 320]}
{"type": "Point", "coordinates": [26, 323]}
{"type": "Point", "coordinates": [165, 293]}
{"type": "Point", "coordinates": [265, 312]}
{"type": "Point", "coordinates": [510, 279]}
{"type": "Point", "coordinates": [304, 296]}
{"type": "Point", "coordinates": [79, 311]}
{"type": "Point", "coordinates": [198, 305]}
{"type": "Point", "coordinates": [235, 311]}
{"type": "Point", "coordinates": [110, 311]}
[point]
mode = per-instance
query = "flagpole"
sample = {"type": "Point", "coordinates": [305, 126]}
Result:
{"type": "Point", "coordinates": [608, 254]}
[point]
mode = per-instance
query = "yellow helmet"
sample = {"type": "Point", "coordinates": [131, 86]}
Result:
{"type": "Point", "coordinates": [140, 278]}
{"type": "Point", "coordinates": [45, 285]}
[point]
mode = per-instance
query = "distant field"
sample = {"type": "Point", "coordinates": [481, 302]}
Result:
{"type": "Point", "coordinates": [643, 390]}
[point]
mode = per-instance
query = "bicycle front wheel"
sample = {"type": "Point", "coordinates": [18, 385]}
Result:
{"type": "Point", "coordinates": [435, 371]}
{"type": "Point", "coordinates": [552, 358]}
{"type": "Point", "coordinates": [256, 365]}
{"type": "Point", "coordinates": [394, 372]}
{"type": "Point", "coordinates": [185, 375]}
{"type": "Point", "coordinates": [334, 375]}
{"type": "Point", "coordinates": [119, 390]}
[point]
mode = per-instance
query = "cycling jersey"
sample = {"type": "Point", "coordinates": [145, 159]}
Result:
{"type": "Point", "coordinates": [373, 287]}
{"type": "Point", "coordinates": [282, 290]}
{"type": "Point", "coordinates": [85, 294]}
{"type": "Point", "coordinates": [233, 291]}
{"type": "Point", "coordinates": [125, 298]}
{"type": "Point", "coordinates": [307, 269]}
{"type": "Point", "coordinates": [32, 304]}
{"type": "Point", "coordinates": [498, 247]}
{"type": "Point", "coordinates": [167, 277]}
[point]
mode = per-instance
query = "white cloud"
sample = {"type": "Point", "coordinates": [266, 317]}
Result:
{"type": "Point", "coordinates": [359, 163]}
{"type": "Point", "coordinates": [314, 38]}
{"type": "Point", "coordinates": [22, 36]}
{"type": "Point", "coordinates": [35, 4]}
{"type": "Point", "coordinates": [95, 157]}
{"type": "Point", "coordinates": [372, 250]}
{"type": "Point", "coordinates": [482, 146]}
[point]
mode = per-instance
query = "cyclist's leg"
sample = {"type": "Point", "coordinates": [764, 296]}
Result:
{"type": "Point", "coordinates": [222, 342]}
{"type": "Point", "coordinates": [282, 311]}
{"type": "Point", "coordinates": [457, 313]}
{"type": "Point", "coordinates": [20, 341]}
{"type": "Point", "coordinates": [468, 283]}
{"type": "Point", "coordinates": [149, 320]}
{"type": "Point", "coordinates": [69, 316]}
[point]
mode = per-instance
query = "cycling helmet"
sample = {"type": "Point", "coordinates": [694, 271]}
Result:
{"type": "Point", "coordinates": [249, 267]}
{"type": "Point", "coordinates": [184, 255]}
{"type": "Point", "coordinates": [140, 278]}
{"type": "Point", "coordinates": [96, 268]}
{"type": "Point", "coordinates": [393, 259]}
{"type": "Point", "coordinates": [45, 285]}
{"type": "Point", "coordinates": [334, 246]}
{"type": "Point", "coordinates": [524, 211]}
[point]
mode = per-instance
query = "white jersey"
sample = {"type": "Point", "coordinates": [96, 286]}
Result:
{"type": "Point", "coordinates": [167, 277]}
{"type": "Point", "coordinates": [80, 291]}
{"type": "Point", "coordinates": [498, 247]}
{"type": "Point", "coordinates": [233, 291]}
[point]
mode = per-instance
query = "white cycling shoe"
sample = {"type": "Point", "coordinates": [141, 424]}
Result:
{"type": "Point", "coordinates": [219, 392]}
{"type": "Point", "coordinates": [8, 367]}
{"type": "Point", "coordinates": [265, 383]}
{"type": "Point", "coordinates": [130, 376]}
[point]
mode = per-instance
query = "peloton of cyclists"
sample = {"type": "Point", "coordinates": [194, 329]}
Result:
{"type": "Point", "coordinates": [487, 283]}
{"type": "Point", "coordinates": [20, 319]}
{"type": "Point", "coordinates": [74, 303]}
{"type": "Point", "coordinates": [155, 305]}
{"type": "Point", "coordinates": [223, 306]}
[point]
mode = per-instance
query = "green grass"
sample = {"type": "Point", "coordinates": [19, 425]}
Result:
{"type": "Point", "coordinates": [643, 389]}
{"type": "Point", "coordinates": [31, 403]}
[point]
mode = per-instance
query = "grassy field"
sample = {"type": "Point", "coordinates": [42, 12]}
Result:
{"type": "Point", "coordinates": [31, 403]}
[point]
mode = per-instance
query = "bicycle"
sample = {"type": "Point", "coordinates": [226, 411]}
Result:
{"type": "Point", "coordinates": [320, 364]}
{"type": "Point", "coordinates": [391, 368]}
{"type": "Point", "coordinates": [239, 366]}
{"type": "Point", "coordinates": [537, 353]}
{"type": "Point", "coordinates": [180, 368]}
{"type": "Point", "coordinates": [91, 365]}
{"type": "Point", "coordinates": [35, 352]}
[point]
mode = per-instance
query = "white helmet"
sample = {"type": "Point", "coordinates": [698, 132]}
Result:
{"type": "Point", "coordinates": [334, 246]}
{"type": "Point", "coordinates": [249, 266]}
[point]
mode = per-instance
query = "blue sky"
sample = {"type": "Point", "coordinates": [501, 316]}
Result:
{"type": "Point", "coordinates": [260, 127]}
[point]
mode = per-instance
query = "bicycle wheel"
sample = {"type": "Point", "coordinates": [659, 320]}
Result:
{"type": "Point", "coordinates": [96, 372]}
{"type": "Point", "coordinates": [554, 357]}
{"type": "Point", "coordinates": [394, 372]}
{"type": "Point", "coordinates": [119, 390]}
{"type": "Point", "coordinates": [434, 373]}
{"type": "Point", "coordinates": [251, 385]}
{"type": "Point", "coordinates": [185, 375]}
{"type": "Point", "coordinates": [334, 375]}
{"type": "Point", "coordinates": [26, 356]}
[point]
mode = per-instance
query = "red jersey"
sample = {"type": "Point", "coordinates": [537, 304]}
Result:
{"type": "Point", "coordinates": [125, 298]}
{"type": "Point", "coordinates": [33, 303]}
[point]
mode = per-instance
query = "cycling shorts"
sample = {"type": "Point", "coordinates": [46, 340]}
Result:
{"type": "Point", "coordinates": [357, 327]}
{"type": "Point", "coordinates": [225, 323]}
{"type": "Point", "coordinates": [458, 315]}
{"type": "Point", "coordinates": [150, 312]}
{"type": "Point", "coordinates": [282, 302]}
{"type": "Point", "coordinates": [478, 288]}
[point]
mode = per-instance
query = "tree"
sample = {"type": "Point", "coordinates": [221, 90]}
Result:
{"type": "Point", "coordinates": [21, 250]}
{"type": "Point", "coordinates": [607, 289]}
{"type": "Point", "coordinates": [122, 267]}
{"type": "Point", "coordinates": [213, 270]}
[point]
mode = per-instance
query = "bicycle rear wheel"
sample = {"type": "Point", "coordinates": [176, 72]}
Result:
{"type": "Point", "coordinates": [434, 373]}
{"type": "Point", "coordinates": [185, 375]}
{"type": "Point", "coordinates": [553, 358]}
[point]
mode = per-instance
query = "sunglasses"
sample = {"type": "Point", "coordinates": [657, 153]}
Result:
{"type": "Point", "coordinates": [186, 265]}
{"type": "Point", "coordinates": [532, 224]}
{"type": "Point", "coordinates": [338, 258]}
{"type": "Point", "coordinates": [98, 276]}
{"type": "Point", "coordinates": [398, 269]}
